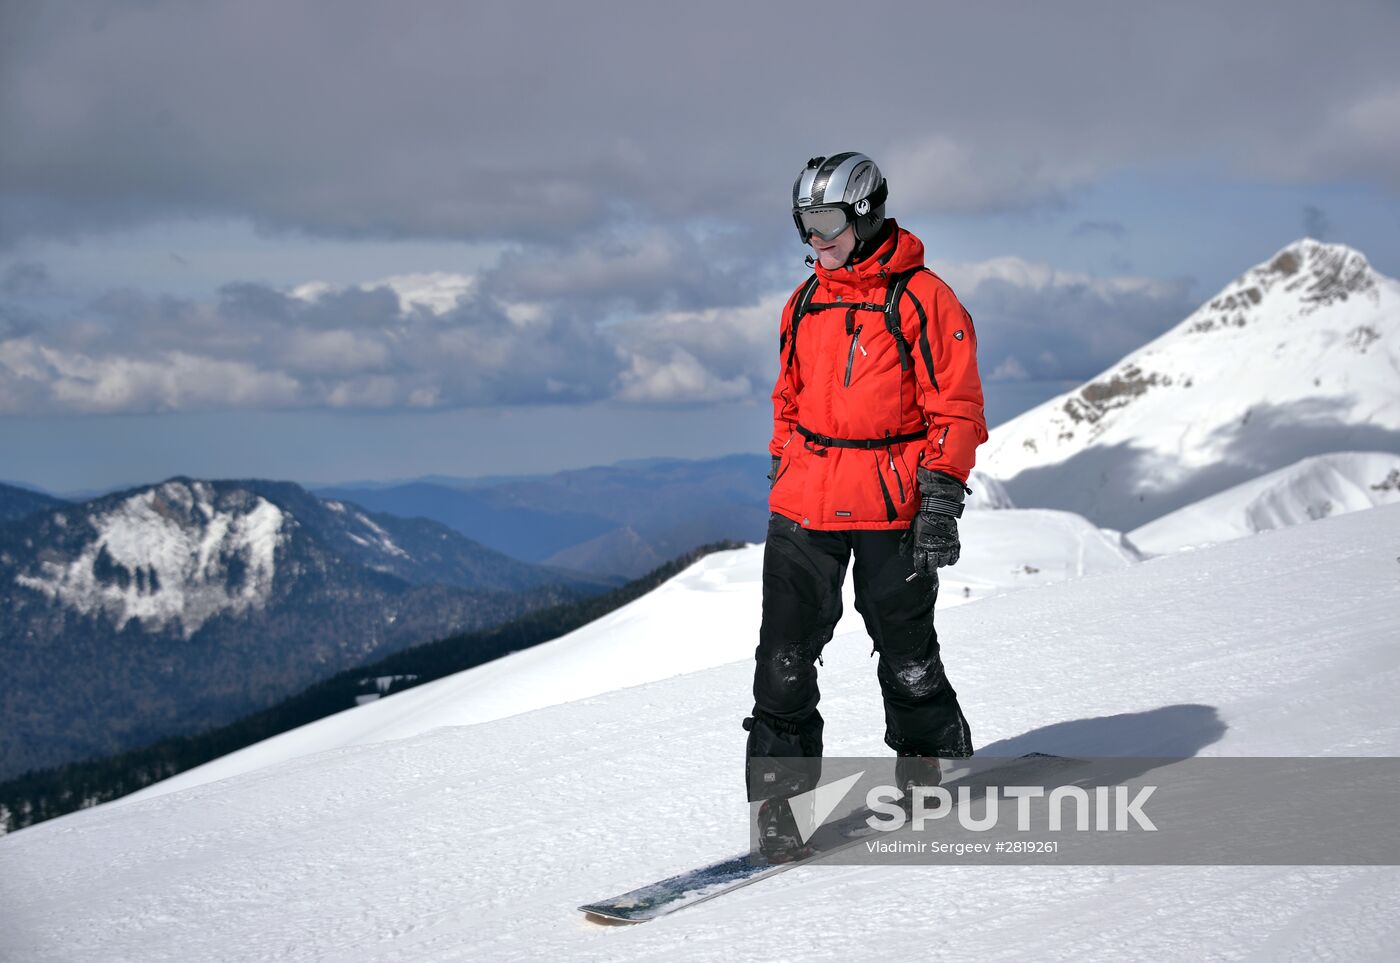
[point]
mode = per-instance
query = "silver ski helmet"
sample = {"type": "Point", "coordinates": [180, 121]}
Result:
{"type": "Point", "coordinates": [834, 191]}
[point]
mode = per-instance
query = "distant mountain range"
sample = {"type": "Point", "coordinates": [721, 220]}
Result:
{"type": "Point", "coordinates": [17, 502]}
{"type": "Point", "coordinates": [180, 605]}
{"type": "Point", "coordinates": [621, 520]}
{"type": "Point", "coordinates": [1299, 356]}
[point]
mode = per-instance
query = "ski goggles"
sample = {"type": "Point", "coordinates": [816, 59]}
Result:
{"type": "Point", "coordinates": [825, 222]}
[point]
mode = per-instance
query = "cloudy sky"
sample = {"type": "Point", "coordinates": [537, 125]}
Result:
{"type": "Point", "coordinates": [351, 240]}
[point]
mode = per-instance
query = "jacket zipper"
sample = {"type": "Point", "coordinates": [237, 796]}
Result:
{"type": "Point", "coordinates": [851, 356]}
{"type": "Point", "coordinates": [895, 471]}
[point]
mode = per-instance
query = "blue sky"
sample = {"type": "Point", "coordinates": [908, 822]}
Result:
{"type": "Point", "coordinates": [201, 207]}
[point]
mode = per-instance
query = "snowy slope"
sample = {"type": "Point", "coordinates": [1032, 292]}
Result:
{"type": "Point", "coordinates": [706, 616]}
{"type": "Point", "coordinates": [1310, 489]}
{"type": "Point", "coordinates": [987, 492]}
{"type": "Point", "coordinates": [1297, 357]}
{"type": "Point", "coordinates": [477, 842]}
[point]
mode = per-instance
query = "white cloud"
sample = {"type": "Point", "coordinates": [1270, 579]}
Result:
{"type": "Point", "coordinates": [372, 346]}
{"type": "Point", "coordinates": [1010, 369]}
{"type": "Point", "coordinates": [1036, 321]}
{"type": "Point", "coordinates": [333, 352]}
{"type": "Point", "coordinates": [1038, 276]}
{"type": "Point", "coordinates": [435, 291]}
{"type": "Point", "coordinates": [679, 377]}
{"type": "Point", "coordinates": [35, 377]}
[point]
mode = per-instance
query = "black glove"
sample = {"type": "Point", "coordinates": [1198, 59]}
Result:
{"type": "Point", "coordinates": [934, 534]}
{"type": "Point", "coordinates": [773, 472]}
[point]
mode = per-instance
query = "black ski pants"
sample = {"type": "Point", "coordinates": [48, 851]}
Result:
{"type": "Point", "coordinates": [803, 572]}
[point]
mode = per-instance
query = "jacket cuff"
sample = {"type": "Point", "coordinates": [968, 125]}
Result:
{"type": "Point", "coordinates": [941, 485]}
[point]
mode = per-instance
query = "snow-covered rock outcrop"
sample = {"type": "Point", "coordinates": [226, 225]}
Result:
{"type": "Point", "coordinates": [173, 554]}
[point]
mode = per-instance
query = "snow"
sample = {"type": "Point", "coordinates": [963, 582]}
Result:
{"type": "Point", "coordinates": [1297, 357]}
{"type": "Point", "coordinates": [987, 492]}
{"type": "Point", "coordinates": [175, 546]}
{"type": "Point", "coordinates": [381, 536]}
{"type": "Point", "coordinates": [477, 841]}
{"type": "Point", "coordinates": [1310, 489]}
{"type": "Point", "coordinates": [708, 614]}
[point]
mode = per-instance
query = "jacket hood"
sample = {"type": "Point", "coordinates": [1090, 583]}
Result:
{"type": "Point", "coordinates": [902, 251]}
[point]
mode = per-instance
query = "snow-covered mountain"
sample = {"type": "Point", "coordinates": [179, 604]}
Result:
{"type": "Point", "coordinates": [176, 554]}
{"type": "Point", "coordinates": [1298, 356]}
{"type": "Point", "coordinates": [165, 556]}
{"type": "Point", "coordinates": [157, 610]}
{"type": "Point", "coordinates": [477, 841]}
{"type": "Point", "coordinates": [1313, 488]}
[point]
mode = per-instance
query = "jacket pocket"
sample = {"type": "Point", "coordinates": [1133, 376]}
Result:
{"type": "Point", "coordinates": [788, 479]}
{"type": "Point", "coordinates": [891, 510]}
{"type": "Point", "coordinates": [894, 470]}
{"type": "Point", "coordinates": [939, 434]}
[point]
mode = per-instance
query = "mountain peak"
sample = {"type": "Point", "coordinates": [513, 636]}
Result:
{"type": "Point", "coordinates": [174, 554]}
{"type": "Point", "coordinates": [1295, 357]}
{"type": "Point", "coordinates": [1296, 281]}
{"type": "Point", "coordinates": [1316, 272]}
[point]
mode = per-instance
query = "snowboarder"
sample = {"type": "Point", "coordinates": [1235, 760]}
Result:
{"type": "Point", "coordinates": [877, 416]}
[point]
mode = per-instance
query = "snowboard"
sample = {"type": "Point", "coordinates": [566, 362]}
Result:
{"type": "Point", "coordinates": [706, 882]}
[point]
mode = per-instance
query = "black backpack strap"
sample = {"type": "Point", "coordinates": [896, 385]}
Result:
{"type": "Point", "coordinates": [898, 283]}
{"type": "Point", "coordinates": [804, 299]}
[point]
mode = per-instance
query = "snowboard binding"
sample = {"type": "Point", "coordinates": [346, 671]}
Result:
{"type": "Point", "coordinates": [778, 838]}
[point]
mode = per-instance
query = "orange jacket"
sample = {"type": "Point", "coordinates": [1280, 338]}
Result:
{"type": "Point", "coordinates": [845, 381]}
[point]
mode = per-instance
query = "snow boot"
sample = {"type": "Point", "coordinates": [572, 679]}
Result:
{"type": "Point", "coordinates": [912, 771]}
{"type": "Point", "coordinates": [778, 838]}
